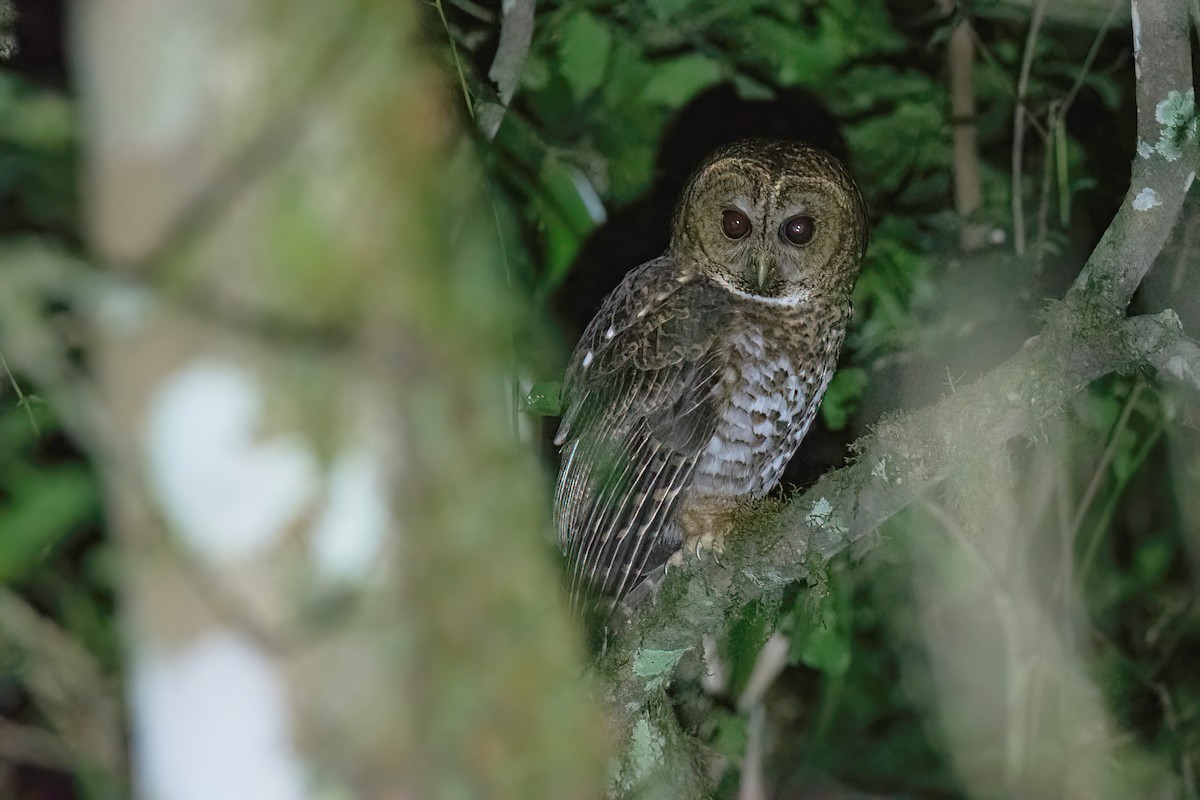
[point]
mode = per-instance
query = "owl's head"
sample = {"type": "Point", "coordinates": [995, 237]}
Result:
{"type": "Point", "coordinates": [772, 219]}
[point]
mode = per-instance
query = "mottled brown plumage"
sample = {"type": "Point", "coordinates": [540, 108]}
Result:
{"type": "Point", "coordinates": [700, 374]}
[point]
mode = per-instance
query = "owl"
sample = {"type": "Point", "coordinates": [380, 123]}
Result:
{"type": "Point", "coordinates": [699, 376]}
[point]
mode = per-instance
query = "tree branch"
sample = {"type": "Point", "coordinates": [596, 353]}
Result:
{"type": "Point", "coordinates": [898, 462]}
{"type": "Point", "coordinates": [1165, 164]}
{"type": "Point", "coordinates": [1018, 147]}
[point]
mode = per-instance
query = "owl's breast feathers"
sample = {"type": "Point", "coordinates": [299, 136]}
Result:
{"type": "Point", "coordinates": [679, 389]}
{"type": "Point", "coordinates": [777, 369]}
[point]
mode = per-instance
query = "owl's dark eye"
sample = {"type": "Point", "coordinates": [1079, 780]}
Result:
{"type": "Point", "coordinates": [734, 223]}
{"type": "Point", "coordinates": [799, 230]}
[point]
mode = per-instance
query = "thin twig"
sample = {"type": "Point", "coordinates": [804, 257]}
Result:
{"type": "Point", "coordinates": [1090, 58]}
{"type": "Point", "coordinates": [1110, 450]}
{"type": "Point", "coordinates": [475, 10]}
{"type": "Point", "coordinates": [462, 75]}
{"type": "Point", "coordinates": [1009, 89]}
{"type": "Point", "coordinates": [22, 398]}
{"type": "Point", "coordinates": [1018, 210]}
{"type": "Point", "coordinates": [514, 377]}
{"type": "Point", "coordinates": [1044, 202]}
{"type": "Point", "coordinates": [1114, 497]}
{"type": "Point", "coordinates": [1056, 118]}
{"type": "Point", "coordinates": [1187, 767]}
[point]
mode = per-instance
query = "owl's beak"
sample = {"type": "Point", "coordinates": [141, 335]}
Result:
{"type": "Point", "coordinates": [764, 270]}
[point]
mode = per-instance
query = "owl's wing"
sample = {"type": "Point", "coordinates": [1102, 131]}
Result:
{"type": "Point", "coordinates": [639, 408]}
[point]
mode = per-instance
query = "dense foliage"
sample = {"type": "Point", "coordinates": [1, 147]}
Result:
{"type": "Point", "coordinates": [616, 103]}
{"type": "Point", "coordinates": [619, 101]}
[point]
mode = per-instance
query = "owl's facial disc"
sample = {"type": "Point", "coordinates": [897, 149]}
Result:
{"type": "Point", "coordinates": [762, 243]}
{"type": "Point", "coordinates": [773, 220]}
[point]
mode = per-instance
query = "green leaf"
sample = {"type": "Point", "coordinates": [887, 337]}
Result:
{"type": "Point", "coordinates": [665, 9]}
{"type": "Point", "coordinates": [583, 53]}
{"type": "Point", "coordinates": [535, 74]}
{"type": "Point", "coordinates": [543, 400]}
{"type": "Point", "coordinates": [825, 649]}
{"type": "Point", "coordinates": [1062, 170]}
{"type": "Point", "coordinates": [1107, 89]}
{"type": "Point", "coordinates": [1098, 412]}
{"type": "Point", "coordinates": [36, 119]}
{"type": "Point", "coordinates": [843, 395]}
{"type": "Point", "coordinates": [1152, 560]}
{"type": "Point", "coordinates": [730, 737]}
{"type": "Point", "coordinates": [1125, 452]}
{"type": "Point", "coordinates": [677, 81]}
{"type": "Point", "coordinates": [565, 218]}
{"type": "Point", "coordinates": [750, 89]}
{"type": "Point", "coordinates": [749, 632]}
{"type": "Point", "coordinates": [22, 423]}
{"type": "Point", "coordinates": [821, 635]}
{"type": "Point", "coordinates": [42, 509]}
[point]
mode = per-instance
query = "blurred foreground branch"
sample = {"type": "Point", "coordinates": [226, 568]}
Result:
{"type": "Point", "coordinates": [333, 578]}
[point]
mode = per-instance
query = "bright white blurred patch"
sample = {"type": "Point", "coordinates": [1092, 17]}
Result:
{"type": "Point", "coordinates": [1146, 199]}
{"type": "Point", "coordinates": [228, 494]}
{"type": "Point", "coordinates": [123, 308]}
{"type": "Point", "coordinates": [211, 720]}
{"type": "Point", "coordinates": [349, 535]}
